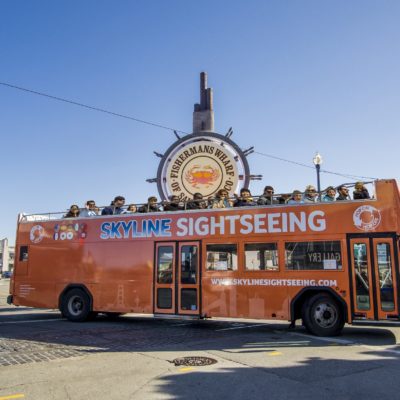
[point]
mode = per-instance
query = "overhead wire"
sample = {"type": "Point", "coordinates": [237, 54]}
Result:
{"type": "Point", "coordinates": [351, 176]}
{"type": "Point", "coordinates": [91, 107]}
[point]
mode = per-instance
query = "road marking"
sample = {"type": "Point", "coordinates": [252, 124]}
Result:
{"type": "Point", "coordinates": [13, 396]}
{"type": "Point", "coordinates": [323, 339]}
{"type": "Point", "coordinates": [380, 348]}
{"type": "Point", "coordinates": [186, 323]}
{"type": "Point", "coordinates": [239, 327]}
{"type": "Point", "coordinates": [274, 353]}
{"type": "Point", "coordinates": [185, 369]}
{"type": "Point", "coordinates": [34, 320]}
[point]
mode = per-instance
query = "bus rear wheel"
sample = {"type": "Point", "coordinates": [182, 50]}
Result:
{"type": "Point", "coordinates": [322, 315]}
{"type": "Point", "coordinates": [76, 305]}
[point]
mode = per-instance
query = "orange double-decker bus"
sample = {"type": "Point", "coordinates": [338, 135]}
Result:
{"type": "Point", "coordinates": [324, 263]}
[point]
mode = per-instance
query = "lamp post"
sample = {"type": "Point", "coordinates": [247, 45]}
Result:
{"type": "Point", "coordinates": [317, 160]}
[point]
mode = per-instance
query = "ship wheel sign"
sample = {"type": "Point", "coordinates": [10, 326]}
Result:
{"type": "Point", "coordinates": [204, 161]}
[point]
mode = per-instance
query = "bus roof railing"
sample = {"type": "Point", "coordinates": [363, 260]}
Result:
{"type": "Point", "coordinates": [23, 217]}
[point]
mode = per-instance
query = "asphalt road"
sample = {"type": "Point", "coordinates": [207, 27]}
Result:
{"type": "Point", "coordinates": [43, 356]}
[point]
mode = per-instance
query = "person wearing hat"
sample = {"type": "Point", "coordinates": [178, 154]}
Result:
{"type": "Point", "coordinates": [267, 197]}
{"type": "Point", "coordinates": [310, 194]}
{"type": "Point", "coordinates": [360, 192]}
{"type": "Point", "coordinates": [330, 194]}
{"type": "Point", "coordinates": [297, 198]}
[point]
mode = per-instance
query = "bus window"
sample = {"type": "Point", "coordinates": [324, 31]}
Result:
{"type": "Point", "coordinates": [188, 264]}
{"type": "Point", "coordinates": [385, 276]}
{"type": "Point", "coordinates": [261, 256]}
{"type": "Point", "coordinates": [361, 272]}
{"type": "Point", "coordinates": [313, 255]}
{"type": "Point", "coordinates": [221, 257]}
{"type": "Point", "coordinates": [164, 265]}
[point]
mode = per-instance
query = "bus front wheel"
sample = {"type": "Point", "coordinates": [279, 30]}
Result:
{"type": "Point", "coordinates": [76, 305]}
{"type": "Point", "coordinates": [322, 315]}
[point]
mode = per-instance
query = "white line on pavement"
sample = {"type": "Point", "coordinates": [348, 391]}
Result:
{"type": "Point", "coordinates": [239, 327]}
{"type": "Point", "coordinates": [33, 320]}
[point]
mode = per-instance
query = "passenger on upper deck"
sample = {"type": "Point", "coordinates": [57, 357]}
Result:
{"type": "Point", "coordinates": [130, 210]}
{"type": "Point", "coordinates": [343, 193]}
{"type": "Point", "coordinates": [90, 209]}
{"type": "Point", "coordinates": [151, 205]}
{"type": "Point", "coordinates": [245, 199]}
{"type": "Point", "coordinates": [360, 192]}
{"type": "Point", "coordinates": [73, 212]}
{"type": "Point", "coordinates": [297, 198]}
{"type": "Point", "coordinates": [196, 203]}
{"type": "Point", "coordinates": [330, 194]}
{"type": "Point", "coordinates": [173, 204]}
{"type": "Point", "coordinates": [115, 206]}
{"type": "Point", "coordinates": [310, 194]}
{"type": "Point", "coordinates": [284, 198]}
{"type": "Point", "coordinates": [221, 200]}
{"type": "Point", "coordinates": [267, 197]}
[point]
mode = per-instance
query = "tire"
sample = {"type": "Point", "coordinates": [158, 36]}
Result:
{"type": "Point", "coordinates": [322, 315]}
{"type": "Point", "coordinates": [76, 305]}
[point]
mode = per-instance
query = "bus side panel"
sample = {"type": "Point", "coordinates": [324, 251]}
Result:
{"type": "Point", "coordinates": [125, 276]}
{"type": "Point", "coordinates": [241, 300]}
{"type": "Point", "coordinates": [118, 275]}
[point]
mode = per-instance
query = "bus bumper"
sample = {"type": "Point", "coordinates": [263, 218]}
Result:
{"type": "Point", "coordinates": [9, 299]}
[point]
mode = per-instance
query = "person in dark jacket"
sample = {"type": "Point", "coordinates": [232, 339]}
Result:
{"type": "Point", "coordinates": [267, 197]}
{"type": "Point", "coordinates": [343, 193]}
{"type": "Point", "coordinates": [245, 199]}
{"type": "Point", "coordinates": [173, 204]}
{"type": "Point", "coordinates": [115, 207]}
{"type": "Point", "coordinates": [151, 205]}
{"type": "Point", "coordinates": [360, 192]}
{"type": "Point", "coordinates": [197, 203]}
{"type": "Point", "coordinates": [73, 212]}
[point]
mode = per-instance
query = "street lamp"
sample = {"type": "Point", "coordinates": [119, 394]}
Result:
{"type": "Point", "coordinates": [317, 160]}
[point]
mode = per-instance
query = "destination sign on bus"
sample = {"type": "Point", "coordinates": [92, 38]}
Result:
{"type": "Point", "coordinates": [277, 222]}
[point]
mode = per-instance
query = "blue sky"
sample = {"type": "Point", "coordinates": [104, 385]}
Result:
{"type": "Point", "coordinates": [290, 77]}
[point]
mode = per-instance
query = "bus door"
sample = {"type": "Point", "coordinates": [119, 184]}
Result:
{"type": "Point", "coordinates": [374, 277]}
{"type": "Point", "coordinates": [177, 278]}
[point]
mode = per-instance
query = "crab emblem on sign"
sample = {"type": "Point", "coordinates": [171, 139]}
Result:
{"type": "Point", "coordinates": [198, 176]}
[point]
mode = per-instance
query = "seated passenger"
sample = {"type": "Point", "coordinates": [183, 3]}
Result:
{"type": "Point", "coordinates": [297, 198]}
{"type": "Point", "coordinates": [173, 204]}
{"type": "Point", "coordinates": [115, 207]}
{"type": "Point", "coordinates": [267, 197]}
{"type": "Point", "coordinates": [90, 209]}
{"type": "Point", "coordinates": [360, 192]}
{"type": "Point", "coordinates": [221, 200]}
{"type": "Point", "coordinates": [130, 210]}
{"type": "Point", "coordinates": [245, 199]}
{"type": "Point", "coordinates": [284, 198]}
{"type": "Point", "coordinates": [197, 203]}
{"type": "Point", "coordinates": [330, 194]}
{"type": "Point", "coordinates": [310, 194]}
{"type": "Point", "coordinates": [73, 212]}
{"type": "Point", "coordinates": [151, 205]}
{"type": "Point", "coordinates": [343, 193]}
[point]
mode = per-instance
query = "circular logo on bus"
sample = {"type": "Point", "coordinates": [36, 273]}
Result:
{"type": "Point", "coordinates": [366, 218]}
{"type": "Point", "coordinates": [37, 234]}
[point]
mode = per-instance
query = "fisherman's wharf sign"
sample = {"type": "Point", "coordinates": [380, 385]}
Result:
{"type": "Point", "coordinates": [202, 167]}
{"type": "Point", "coordinates": [202, 163]}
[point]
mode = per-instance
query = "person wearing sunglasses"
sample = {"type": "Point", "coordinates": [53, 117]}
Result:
{"type": "Point", "coordinates": [267, 198]}
{"type": "Point", "coordinates": [343, 193]}
{"type": "Point", "coordinates": [310, 194]}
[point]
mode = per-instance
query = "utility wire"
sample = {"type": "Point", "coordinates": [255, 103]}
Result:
{"type": "Point", "coordinates": [165, 127]}
{"type": "Point", "coordinates": [91, 107]}
{"type": "Point", "coordinates": [309, 166]}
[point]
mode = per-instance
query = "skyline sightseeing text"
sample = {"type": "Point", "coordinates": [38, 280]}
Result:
{"type": "Point", "coordinates": [277, 222]}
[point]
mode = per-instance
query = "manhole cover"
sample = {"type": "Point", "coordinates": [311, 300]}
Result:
{"type": "Point", "coordinates": [194, 361]}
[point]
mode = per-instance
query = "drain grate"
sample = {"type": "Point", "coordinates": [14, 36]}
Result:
{"type": "Point", "coordinates": [193, 361]}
